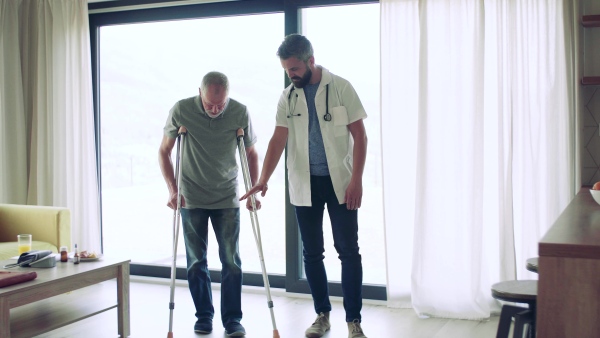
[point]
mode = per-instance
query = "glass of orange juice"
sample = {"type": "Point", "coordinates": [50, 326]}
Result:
{"type": "Point", "coordinates": [24, 243]}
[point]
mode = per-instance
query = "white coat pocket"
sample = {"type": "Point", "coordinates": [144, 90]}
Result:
{"type": "Point", "coordinates": [340, 120]}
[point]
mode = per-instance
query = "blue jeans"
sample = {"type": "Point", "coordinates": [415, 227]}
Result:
{"type": "Point", "coordinates": [344, 226]}
{"type": "Point", "coordinates": [226, 225]}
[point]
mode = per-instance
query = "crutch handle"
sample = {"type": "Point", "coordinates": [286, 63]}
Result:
{"type": "Point", "coordinates": [182, 130]}
{"type": "Point", "coordinates": [240, 133]}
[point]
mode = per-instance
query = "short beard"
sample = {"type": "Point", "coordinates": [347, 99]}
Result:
{"type": "Point", "coordinates": [304, 80]}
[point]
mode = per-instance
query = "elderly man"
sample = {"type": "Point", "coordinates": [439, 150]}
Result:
{"type": "Point", "coordinates": [209, 191]}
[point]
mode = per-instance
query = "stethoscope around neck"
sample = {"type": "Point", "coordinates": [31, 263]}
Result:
{"type": "Point", "coordinates": [292, 104]}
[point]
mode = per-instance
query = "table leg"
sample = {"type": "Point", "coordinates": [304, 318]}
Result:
{"type": "Point", "coordinates": [123, 299]}
{"type": "Point", "coordinates": [4, 318]}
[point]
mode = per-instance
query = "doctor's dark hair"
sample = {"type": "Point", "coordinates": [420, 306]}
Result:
{"type": "Point", "coordinates": [295, 45]}
{"type": "Point", "coordinates": [214, 78]}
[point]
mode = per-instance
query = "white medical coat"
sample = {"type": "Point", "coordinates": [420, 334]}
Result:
{"type": "Point", "coordinates": [345, 108]}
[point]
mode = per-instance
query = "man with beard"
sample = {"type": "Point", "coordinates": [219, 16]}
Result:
{"type": "Point", "coordinates": [320, 117]}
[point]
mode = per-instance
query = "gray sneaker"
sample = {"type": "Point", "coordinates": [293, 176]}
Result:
{"type": "Point", "coordinates": [354, 330]}
{"type": "Point", "coordinates": [319, 327]}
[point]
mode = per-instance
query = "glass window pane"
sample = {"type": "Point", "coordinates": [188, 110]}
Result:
{"type": "Point", "coordinates": [346, 41]}
{"type": "Point", "coordinates": [145, 69]}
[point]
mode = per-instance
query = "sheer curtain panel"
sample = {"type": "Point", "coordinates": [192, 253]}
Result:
{"type": "Point", "coordinates": [479, 135]}
{"type": "Point", "coordinates": [48, 149]}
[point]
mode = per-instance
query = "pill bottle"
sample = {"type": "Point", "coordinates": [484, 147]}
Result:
{"type": "Point", "coordinates": [76, 256]}
{"type": "Point", "coordinates": [64, 255]}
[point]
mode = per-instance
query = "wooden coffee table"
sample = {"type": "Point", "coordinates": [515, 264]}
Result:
{"type": "Point", "coordinates": [46, 303]}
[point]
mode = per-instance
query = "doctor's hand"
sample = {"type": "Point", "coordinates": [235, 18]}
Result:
{"type": "Point", "coordinates": [263, 187]}
{"type": "Point", "coordinates": [172, 203]}
{"type": "Point", "coordinates": [249, 204]}
{"type": "Point", "coordinates": [353, 197]}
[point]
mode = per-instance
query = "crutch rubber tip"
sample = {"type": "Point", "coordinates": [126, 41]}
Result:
{"type": "Point", "coordinates": [240, 133]}
{"type": "Point", "coordinates": [170, 335]}
{"type": "Point", "coordinates": [276, 334]}
{"type": "Point", "coordinates": [182, 130]}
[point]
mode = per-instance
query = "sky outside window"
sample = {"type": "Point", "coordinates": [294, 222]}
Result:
{"type": "Point", "coordinates": [145, 69]}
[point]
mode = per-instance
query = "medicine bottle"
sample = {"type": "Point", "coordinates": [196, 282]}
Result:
{"type": "Point", "coordinates": [64, 256]}
{"type": "Point", "coordinates": [76, 256]}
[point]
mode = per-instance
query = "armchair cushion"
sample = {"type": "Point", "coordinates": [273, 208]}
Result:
{"type": "Point", "coordinates": [50, 227]}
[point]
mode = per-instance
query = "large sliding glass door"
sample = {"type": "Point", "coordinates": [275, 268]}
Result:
{"type": "Point", "coordinates": [145, 69]}
{"type": "Point", "coordinates": [146, 60]}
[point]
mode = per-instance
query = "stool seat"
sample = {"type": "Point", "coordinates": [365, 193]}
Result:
{"type": "Point", "coordinates": [532, 264]}
{"type": "Point", "coordinates": [517, 291]}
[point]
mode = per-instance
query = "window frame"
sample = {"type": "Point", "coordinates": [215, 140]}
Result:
{"type": "Point", "coordinates": [138, 11]}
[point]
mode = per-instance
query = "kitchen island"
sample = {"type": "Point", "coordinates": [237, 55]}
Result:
{"type": "Point", "coordinates": [568, 302]}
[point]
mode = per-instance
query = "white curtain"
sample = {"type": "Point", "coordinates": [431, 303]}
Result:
{"type": "Point", "coordinates": [47, 153]}
{"type": "Point", "coordinates": [479, 144]}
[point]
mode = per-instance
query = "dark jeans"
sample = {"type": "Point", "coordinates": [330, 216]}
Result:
{"type": "Point", "coordinates": [226, 225]}
{"type": "Point", "coordinates": [344, 226]}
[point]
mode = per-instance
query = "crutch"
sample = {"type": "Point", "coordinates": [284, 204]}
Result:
{"type": "Point", "coordinates": [255, 226]}
{"type": "Point", "coordinates": [176, 220]}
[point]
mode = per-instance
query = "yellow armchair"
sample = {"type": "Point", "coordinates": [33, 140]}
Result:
{"type": "Point", "coordinates": [50, 227]}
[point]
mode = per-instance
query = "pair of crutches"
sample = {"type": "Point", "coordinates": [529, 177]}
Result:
{"type": "Point", "coordinates": [253, 218]}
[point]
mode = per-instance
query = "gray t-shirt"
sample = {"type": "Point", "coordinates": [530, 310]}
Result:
{"type": "Point", "coordinates": [209, 169]}
{"type": "Point", "coordinates": [316, 149]}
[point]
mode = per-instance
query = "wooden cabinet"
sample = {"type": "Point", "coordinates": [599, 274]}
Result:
{"type": "Point", "coordinates": [569, 272]}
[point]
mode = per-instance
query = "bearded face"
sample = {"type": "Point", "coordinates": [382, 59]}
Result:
{"type": "Point", "coordinates": [301, 81]}
{"type": "Point", "coordinates": [298, 71]}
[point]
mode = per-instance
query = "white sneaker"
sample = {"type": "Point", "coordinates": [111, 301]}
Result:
{"type": "Point", "coordinates": [319, 327]}
{"type": "Point", "coordinates": [354, 330]}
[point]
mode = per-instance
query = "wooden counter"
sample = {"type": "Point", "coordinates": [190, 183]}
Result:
{"type": "Point", "coordinates": [569, 272]}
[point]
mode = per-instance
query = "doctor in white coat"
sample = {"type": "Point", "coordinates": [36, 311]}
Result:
{"type": "Point", "coordinates": [320, 117]}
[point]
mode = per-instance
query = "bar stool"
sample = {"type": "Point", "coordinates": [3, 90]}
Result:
{"type": "Point", "coordinates": [532, 264]}
{"type": "Point", "coordinates": [518, 291]}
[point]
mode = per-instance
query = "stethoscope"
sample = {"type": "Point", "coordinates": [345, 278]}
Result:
{"type": "Point", "coordinates": [292, 104]}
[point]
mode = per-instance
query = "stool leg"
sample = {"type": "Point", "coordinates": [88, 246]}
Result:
{"type": "Point", "coordinates": [506, 315]}
{"type": "Point", "coordinates": [530, 330]}
{"type": "Point", "coordinates": [533, 308]}
{"type": "Point", "coordinates": [522, 318]}
{"type": "Point", "coordinates": [530, 333]}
